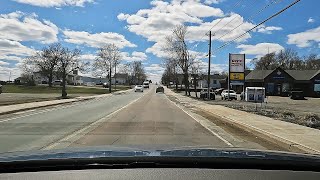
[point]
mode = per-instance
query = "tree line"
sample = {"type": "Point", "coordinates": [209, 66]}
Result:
{"type": "Point", "coordinates": [287, 59]}
{"type": "Point", "coordinates": [56, 61]}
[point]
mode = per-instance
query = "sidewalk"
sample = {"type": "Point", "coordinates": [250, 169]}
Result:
{"type": "Point", "coordinates": [301, 137]}
{"type": "Point", "coordinates": [26, 106]}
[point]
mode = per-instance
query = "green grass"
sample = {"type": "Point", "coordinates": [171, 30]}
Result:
{"type": "Point", "coordinates": [56, 89]}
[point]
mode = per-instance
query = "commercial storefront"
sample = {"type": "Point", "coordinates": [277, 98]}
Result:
{"type": "Point", "coordinates": [280, 82]}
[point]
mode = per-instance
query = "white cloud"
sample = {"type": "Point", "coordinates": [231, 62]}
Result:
{"type": "Point", "coordinates": [12, 50]}
{"type": "Point", "coordinates": [5, 73]}
{"type": "Point", "coordinates": [260, 49]}
{"type": "Point", "coordinates": [155, 68]}
{"type": "Point", "coordinates": [88, 57]}
{"type": "Point", "coordinates": [213, 1]}
{"type": "Point", "coordinates": [20, 27]}
{"type": "Point", "coordinates": [269, 29]}
{"type": "Point", "coordinates": [305, 39]}
{"type": "Point", "coordinates": [156, 23]}
{"type": "Point", "coordinates": [311, 20]}
{"type": "Point", "coordinates": [123, 17]}
{"type": "Point", "coordinates": [135, 56]}
{"type": "Point", "coordinates": [55, 3]}
{"type": "Point", "coordinates": [96, 40]}
{"type": "Point", "coordinates": [3, 63]}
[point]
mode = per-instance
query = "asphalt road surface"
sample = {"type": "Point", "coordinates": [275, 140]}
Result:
{"type": "Point", "coordinates": [121, 120]}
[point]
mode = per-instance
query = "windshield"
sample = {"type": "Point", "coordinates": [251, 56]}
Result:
{"type": "Point", "coordinates": [85, 74]}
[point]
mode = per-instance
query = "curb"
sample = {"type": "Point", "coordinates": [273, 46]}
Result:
{"type": "Point", "coordinates": [263, 134]}
{"type": "Point", "coordinates": [77, 99]}
{"type": "Point", "coordinates": [266, 135]}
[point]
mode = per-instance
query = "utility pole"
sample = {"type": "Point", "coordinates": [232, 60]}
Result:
{"type": "Point", "coordinates": [209, 64]}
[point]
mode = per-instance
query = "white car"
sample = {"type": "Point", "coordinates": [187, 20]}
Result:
{"type": "Point", "coordinates": [146, 84]}
{"type": "Point", "coordinates": [138, 88]}
{"type": "Point", "coordinates": [232, 94]}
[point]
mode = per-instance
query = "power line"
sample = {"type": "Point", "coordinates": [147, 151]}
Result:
{"type": "Point", "coordinates": [274, 15]}
{"type": "Point", "coordinates": [234, 6]}
{"type": "Point", "coordinates": [250, 18]}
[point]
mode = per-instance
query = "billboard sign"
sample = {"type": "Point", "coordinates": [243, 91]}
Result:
{"type": "Point", "coordinates": [236, 69]}
{"type": "Point", "coordinates": [237, 76]}
{"type": "Point", "coordinates": [237, 63]}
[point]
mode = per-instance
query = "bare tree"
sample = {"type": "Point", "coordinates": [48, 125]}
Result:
{"type": "Point", "coordinates": [68, 61]}
{"type": "Point", "coordinates": [138, 72]}
{"type": "Point", "coordinates": [196, 74]}
{"type": "Point", "coordinates": [267, 62]}
{"type": "Point", "coordinates": [177, 49]}
{"type": "Point", "coordinates": [45, 61]}
{"type": "Point", "coordinates": [108, 57]}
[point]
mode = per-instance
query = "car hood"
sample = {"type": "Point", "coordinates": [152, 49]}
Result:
{"type": "Point", "coordinates": [134, 151]}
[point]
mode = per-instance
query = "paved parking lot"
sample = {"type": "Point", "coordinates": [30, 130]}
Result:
{"type": "Point", "coordinates": [299, 107]}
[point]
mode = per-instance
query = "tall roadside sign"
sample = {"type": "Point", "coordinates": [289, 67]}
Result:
{"type": "Point", "coordinates": [236, 70]}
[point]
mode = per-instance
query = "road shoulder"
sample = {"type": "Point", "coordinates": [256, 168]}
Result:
{"type": "Point", "coordinates": [293, 137]}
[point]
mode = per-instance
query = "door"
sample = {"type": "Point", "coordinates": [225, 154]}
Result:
{"type": "Point", "coordinates": [278, 89]}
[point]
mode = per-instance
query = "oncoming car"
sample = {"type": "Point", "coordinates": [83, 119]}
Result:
{"type": "Point", "coordinates": [138, 88]}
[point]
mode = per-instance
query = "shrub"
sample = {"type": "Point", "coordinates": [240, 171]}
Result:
{"type": "Point", "coordinates": [312, 120]}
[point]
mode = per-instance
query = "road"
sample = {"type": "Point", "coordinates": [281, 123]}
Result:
{"type": "Point", "coordinates": [121, 119]}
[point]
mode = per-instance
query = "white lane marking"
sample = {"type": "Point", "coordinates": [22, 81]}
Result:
{"type": "Point", "coordinates": [74, 103]}
{"type": "Point", "coordinates": [202, 124]}
{"type": "Point", "coordinates": [78, 133]}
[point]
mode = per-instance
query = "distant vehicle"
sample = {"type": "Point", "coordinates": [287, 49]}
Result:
{"type": "Point", "coordinates": [204, 94]}
{"type": "Point", "coordinates": [57, 82]}
{"type": "Point", "coordinates": [146, 84]}
{"type": "Point", "coordinates": [160, 89]}
{"type": "Point", "coordinates": [296, 93]}
{"type": "Point", "coordinates": [232, 95]}
{"type": "Point", "coordinates": [156, 83]}
{"type": "Point", "coordinates": [138, 88]}
{"type": "Point", "coordinates": [105, 85]}
{"type": "Point", "coordinates": [218, 91]}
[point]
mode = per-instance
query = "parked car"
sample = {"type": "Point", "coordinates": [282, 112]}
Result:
{"type": "Point", "coordinates": [105, 85]}
{"type": "Point", "coordinates": [231, 94]}
{"type": "Point", "coordinates": [204, 94]}
{"type": "Point", "coordinates": [138, 88]}
{"type": "Point", "coordinates": [146, 84]}
{"type": "Point", "coordinates": [57, 82]}
{"type": "Point", "coordinates": [296, 94]}
{"type": "Point", "coordinates": [218, 91]}
{"type": "Point", "coordinates": [160, 89]}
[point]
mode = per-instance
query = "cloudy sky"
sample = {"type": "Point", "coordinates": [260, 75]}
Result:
{"type": "Point", "coordinates": [139, 27]}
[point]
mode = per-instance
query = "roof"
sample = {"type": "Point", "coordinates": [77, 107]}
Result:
{"type": "Point", "coordinates": [258, 74]}
{"type": "Point", "coordinates": [302, 75]}
{"type": "Point", "coordinates": [299, 75]}
{"type": "Point", "coordinates": [119, 75]}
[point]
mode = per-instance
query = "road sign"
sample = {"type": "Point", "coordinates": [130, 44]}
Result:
{"type": "Point", "coordinates": [237, 76]}
{"type": "Point", "coordinates": [237, 63]}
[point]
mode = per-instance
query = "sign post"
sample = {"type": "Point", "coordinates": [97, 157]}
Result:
{"type": "Point", "coordinates": [236, 70]}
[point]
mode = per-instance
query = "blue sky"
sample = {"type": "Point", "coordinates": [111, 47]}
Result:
{"type": "Point", "coordinates": [138, 28]}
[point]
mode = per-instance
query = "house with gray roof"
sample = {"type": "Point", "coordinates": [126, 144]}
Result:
{"type": "Point", "coordinates": [279, 81]}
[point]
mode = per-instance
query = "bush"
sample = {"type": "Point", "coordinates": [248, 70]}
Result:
{"type": "Point", "coordinates": [312, 120]}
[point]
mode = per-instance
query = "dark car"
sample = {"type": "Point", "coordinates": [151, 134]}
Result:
{"type": "Point", "coordinates": [204, 94]}
{"type": "Point", "coordinates": [296, 94]}
{"type": "Point", "coordinates": [160, 89]}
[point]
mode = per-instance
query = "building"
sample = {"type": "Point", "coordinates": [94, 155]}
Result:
{"type": "Point", "coordinates": [120, 79]}
{"type": "Point", "coordinates": [280, 82]}
{"type": "Point", "coordinates": [216, 81]}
